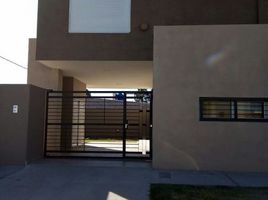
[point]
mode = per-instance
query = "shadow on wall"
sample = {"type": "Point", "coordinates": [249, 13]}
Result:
{"type": "Point", "coordinates": [180, 158]}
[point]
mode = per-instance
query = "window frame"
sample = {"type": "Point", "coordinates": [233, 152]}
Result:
{"type": "Point", "coordinates": [235, 101]}
{"type": "Point", "coordinates": [74, 29]}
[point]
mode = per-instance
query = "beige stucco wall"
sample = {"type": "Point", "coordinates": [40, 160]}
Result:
{"type": "Point", "coordinates": [21, 135]}
{"type": "Point", "coordinates": [13, 134]}
{"type": "Point", "coordinates": [213, 61]}
{"type": "Point", "coordinates": [36, 123]}
{"type": "Point", "coordinates": [41, 75]}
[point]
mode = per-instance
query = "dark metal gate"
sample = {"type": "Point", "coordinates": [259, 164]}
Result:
{"type": "Point", "coordinates": [99, 124]}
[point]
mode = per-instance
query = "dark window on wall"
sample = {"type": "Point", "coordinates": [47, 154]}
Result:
{"type": "Point", "coordinates": [218, 109]}
{"type": "Point", "coordinates": [233, 109]}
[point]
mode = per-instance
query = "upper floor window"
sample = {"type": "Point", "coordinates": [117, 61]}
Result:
{"type": "Point", "coordinates": [99, 16]}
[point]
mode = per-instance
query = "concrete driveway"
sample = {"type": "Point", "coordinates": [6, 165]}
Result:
{"type": "Point", "coordinates": [104, 180]}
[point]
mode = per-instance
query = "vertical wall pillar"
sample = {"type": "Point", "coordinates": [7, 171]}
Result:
{"type": "Point", "coordinates": [39, 74]}
{"type": "Point", "coordinates": [73, 114]}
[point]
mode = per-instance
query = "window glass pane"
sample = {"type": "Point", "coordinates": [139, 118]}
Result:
{"type": "Point", "coordinates": [99, 16]}
{"type": "Point", "coordinates": [265, 110]}
{"type": "Point", "coordinates": [249, 110]}
{"type": "Point", "coordinates": [218, 109]}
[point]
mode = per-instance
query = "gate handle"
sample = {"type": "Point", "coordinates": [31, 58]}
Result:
{"type": "Point", "coordinates": [126, 125]}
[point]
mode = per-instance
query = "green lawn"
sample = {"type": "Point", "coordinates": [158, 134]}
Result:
{"type": "Point", "coordinates": [179, 192]}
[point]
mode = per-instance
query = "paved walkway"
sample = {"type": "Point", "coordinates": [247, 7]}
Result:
{"type": "Point", "coordinates": [104, 180]}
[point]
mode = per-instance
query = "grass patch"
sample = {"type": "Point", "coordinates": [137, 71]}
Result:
{"type": "Point", "coordinates": [182, 192]}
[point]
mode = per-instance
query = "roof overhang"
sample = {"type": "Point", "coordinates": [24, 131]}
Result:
{"type": "Point", "coordinates": [107, 74]}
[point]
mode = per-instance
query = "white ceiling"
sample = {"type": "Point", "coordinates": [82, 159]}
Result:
{"type": "Point", "coordinates": [108, 74]}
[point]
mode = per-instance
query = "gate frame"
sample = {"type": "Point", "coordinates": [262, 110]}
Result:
{"type": "Point", "coordinates": [125, 124]}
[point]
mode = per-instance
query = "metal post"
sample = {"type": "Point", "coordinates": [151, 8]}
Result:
{"type": "Point", "coordinates": [235, 110]}
{"type": "Point", "coordinates": [200, 109]}
{"type": "Point", "coordinates": [124, 123]}
{"type": "Point", "coordinates": [104, 111]}
{"type": "Point", "coordinates": [262, 110]}
{"type": "Point", "coordinates": [151, 126]}
{"type": "Point", "coordinates": [78, 122]}
{"type": "Point", "coordinates": [46, 124]}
